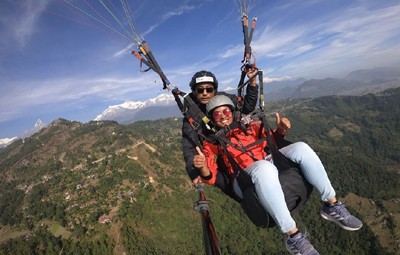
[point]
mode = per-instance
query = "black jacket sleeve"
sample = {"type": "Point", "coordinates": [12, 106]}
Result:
{"type": "Point", "coordinates": [250, 99]}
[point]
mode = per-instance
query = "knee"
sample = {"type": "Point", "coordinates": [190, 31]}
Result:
{"type": "Point", "coordinates": [304, 150]}
{"type": "Point", "coordinates": [302, 146]}
{"type": "Point", "coordinates": [263, 171]}
{"type": "Point", "coordinates": [263, 167]}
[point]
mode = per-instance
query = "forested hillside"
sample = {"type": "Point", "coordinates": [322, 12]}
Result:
{"type": "Point", "coordinates": [105, 188]}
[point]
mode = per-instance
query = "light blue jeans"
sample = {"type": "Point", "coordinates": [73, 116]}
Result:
{"type": "Point", "coordinates": [265, 178]}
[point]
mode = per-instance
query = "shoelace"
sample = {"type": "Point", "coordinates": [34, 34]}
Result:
{"type": "Point", "coordinates": [301, 243]}
{"type": "Point", "coordinates": [341, 210]}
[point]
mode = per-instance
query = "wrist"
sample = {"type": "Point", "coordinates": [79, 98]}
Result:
{"type": "Point", "coordinates": [207, 176]}
{"type": "Point", "coordinates": [204, 171]}
{"type": "Point", "coordinates": [281, 131]}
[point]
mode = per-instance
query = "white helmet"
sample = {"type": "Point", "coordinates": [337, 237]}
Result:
{"type": "Point", "coordinates": [217, 101]}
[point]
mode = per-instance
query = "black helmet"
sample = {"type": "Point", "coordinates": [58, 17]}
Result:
{"type": "Point", "coordinates": [217, 101]}
{"type": "Point", "coordinates": [201, 77]}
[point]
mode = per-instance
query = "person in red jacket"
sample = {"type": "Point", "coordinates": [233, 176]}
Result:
{"type": "Point", "coordinates": [255, 161]}
{"type": "Point", "coordinates": [204, 86]}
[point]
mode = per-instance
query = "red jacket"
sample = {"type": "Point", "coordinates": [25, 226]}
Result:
{"type": "Point", "coordinates": [238, 137]}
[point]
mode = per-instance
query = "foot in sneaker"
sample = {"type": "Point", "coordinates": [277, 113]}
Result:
{"type": "Point", "coordinates": [339, 214]}
{"type": "Point", "coordinates": [299, 245]}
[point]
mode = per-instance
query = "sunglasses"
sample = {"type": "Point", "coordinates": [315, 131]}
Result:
{"type": "Point", "coordinates": [218, 114]}
{"type": "Point", "coordinates": [201, 90]}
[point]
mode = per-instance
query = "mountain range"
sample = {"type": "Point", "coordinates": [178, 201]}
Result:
{"type": "Point", "coordinates": [129, 111]}
{"type": "Point", "coordinates": [359, 82]}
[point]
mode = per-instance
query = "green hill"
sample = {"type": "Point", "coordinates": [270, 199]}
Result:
{"type": "Point", "coordinates": [105, 188]}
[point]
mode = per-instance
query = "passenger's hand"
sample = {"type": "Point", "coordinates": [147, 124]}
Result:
{"type": "Point", "coordinates": [196, 181]}
{"type": "Point", "coordinates": [282, 124]}
{"type": "Point", "coordinates": [199, 161]}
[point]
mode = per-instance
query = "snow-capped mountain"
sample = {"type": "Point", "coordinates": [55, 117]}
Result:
{"type": "Point", "coordinates": [129, 111]}
{"type": "Point", "coordinates": [6, 141]}
{"type": "Point", "coordinates": [39, 124]}
{"type": "Point", "coordinates": [278, 79]}
{"type": "Point", "coordinates": [36, 128]}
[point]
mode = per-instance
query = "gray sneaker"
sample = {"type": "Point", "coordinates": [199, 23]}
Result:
{"type": "Point", "coordinates": [299, 245]}
{"type": "Point", "coordinates": [339, 214]}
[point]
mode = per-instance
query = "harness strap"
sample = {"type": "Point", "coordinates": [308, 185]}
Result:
{"type": "Point", "coordinates": [244, 179]}
{"type": "Point", "coordinates": [220, 137]}
{"type": "Point", "coordinates": [240, 91]}
{"type": "Point", "coordinates": [145, 49]}
{"type": "Point", "coordinates": [247, 37]}
{"type": "Point", "coordinates": [260, 140]}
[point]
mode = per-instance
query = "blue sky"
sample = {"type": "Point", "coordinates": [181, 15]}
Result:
{"type": "Point", "coordinates": [54, 64]}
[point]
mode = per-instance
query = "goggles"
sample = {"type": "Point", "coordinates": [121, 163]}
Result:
{"type": "Point", "coordinates": [218, 114]}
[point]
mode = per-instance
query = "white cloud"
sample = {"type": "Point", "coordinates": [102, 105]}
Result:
{"type": "Point", "coordinates": [181, 10]}
{"type": "Point", "coordinates": [24, 25]}
{"type": "Point", "coordinates": [231, 51]}
{"type": "Point", "coordinates": [278, 42]}
{"type": "Point", "coordinates": [123, 52]}
{"type": "Point", "coordinates": [18, 98]}
{"type": "Point", "coordinates": [347, 40]}
{"type": "Point", "coordinates": [328, 45]}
